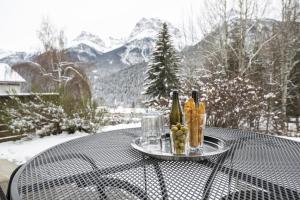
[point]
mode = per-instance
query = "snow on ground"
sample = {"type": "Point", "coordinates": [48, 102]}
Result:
{"type": "Point", "coordinates": [123, 110]}
{"type": "Point", "coordinates": [297, 139]}
{"type": "Point", "coordinates": [120, 126]}
{"type": "Point", "coordinates": [22, 150]}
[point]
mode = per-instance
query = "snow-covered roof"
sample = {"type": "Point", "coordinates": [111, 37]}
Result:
{"type": "Point", "coordinates": [8, 75]}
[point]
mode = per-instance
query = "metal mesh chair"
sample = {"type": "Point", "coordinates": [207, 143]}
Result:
{"type": "Point", "coordinates": [2, 195]}
{"type": "Point", "coordinates": [8, 195]}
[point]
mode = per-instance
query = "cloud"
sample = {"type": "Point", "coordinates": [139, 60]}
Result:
{"type": "Point", "coordinates": [19, 19]}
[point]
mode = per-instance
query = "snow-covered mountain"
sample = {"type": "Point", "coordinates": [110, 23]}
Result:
{"type": "Point", "coordinates": [11, 58]}
{"type": "Point", "coordinates": [149, 28]}
{"type": "Point", "coordinates": [94, 41]}
{"type": "Point", "coordinates": [113, 43]}
{"type": "Point", "coordinates": [141, 40]}
{"type": "Point", "coordinates": [91, 48]}
{"type": "Point", "coordinates": [134, 49]}
{"type": "Point", "coordinates": [88, 39]}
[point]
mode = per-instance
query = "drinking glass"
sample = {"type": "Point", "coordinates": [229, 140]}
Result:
{"type": "Point", "coordinates": [179, 140]}
{"type": "Point", "coordinates": [152, 127]}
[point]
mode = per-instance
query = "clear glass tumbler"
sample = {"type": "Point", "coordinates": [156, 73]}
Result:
{"type": "Point", "coordinates": [152, 127]}
{"type": "Point", "coordinates": [179, 139]}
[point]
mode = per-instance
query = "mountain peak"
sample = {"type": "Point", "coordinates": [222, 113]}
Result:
{"type": "Point", "coordinates": [85, 34]}
{"type": "Point", "coordinates": [149, 23]}
{"type": "Point", "coordinates": [150, 27]}
{"type": "Point", "coordinates": [91, 40]}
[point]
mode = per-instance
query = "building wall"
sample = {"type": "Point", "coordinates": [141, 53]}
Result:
{"type": "Point", "coordinates": [9, 88]}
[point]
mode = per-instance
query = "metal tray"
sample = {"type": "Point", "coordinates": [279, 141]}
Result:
{"type": "Point", "coordinates": [212, 146]}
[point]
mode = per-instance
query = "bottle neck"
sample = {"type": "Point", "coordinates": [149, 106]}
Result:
{"type": "Point", "coordinates": [175, 96]}
{"type": "Point", "coordinates": [195, 97]}
{"type": "Point", "coordinates": [175, 102]}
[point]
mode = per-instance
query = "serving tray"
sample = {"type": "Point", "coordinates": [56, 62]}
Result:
{"type": "Point", "coordinates": [162, 150]}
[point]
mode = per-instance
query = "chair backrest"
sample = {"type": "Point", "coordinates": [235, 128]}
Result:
{"type": "Point", "coordinates": [2, 195]}
{"type": "Point", "coordinates": [8, 195]}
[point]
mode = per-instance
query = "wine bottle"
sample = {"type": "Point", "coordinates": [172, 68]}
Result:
{"type": "Point", "coordinates": [176, 113]}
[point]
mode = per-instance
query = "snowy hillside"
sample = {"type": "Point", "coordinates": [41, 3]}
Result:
{"type": "Point", "coordinates": [123, 87]}
{"type": "Point", "coordinates": [137, 51]}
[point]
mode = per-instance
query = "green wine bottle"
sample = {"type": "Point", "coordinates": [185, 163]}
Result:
{"type": "Point", "coordinates": [176, 113]}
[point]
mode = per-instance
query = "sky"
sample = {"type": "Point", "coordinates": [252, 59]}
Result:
{"type": "Point", "coordinates": [20, 19]}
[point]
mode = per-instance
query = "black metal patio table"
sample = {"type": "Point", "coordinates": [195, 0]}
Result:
{"type": "Point", "coordinates": [104, 166]}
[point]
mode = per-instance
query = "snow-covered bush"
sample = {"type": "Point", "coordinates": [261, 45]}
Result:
{"type": "Point", "coordinates": [30, 115]}
{"type": "Point", "coordinates": [90, 121]}
{"type": "Point", "coordinates": [37, 116]}
{"type": "Point", "coordinates": [235, 101]}
{"type": "Point", "coordinates": [232, 101]}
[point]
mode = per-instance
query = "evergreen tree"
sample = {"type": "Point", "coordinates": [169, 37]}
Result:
{"type": "Point", "coordinates": [161, 76]}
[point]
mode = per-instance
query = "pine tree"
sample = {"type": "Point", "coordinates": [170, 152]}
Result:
{"type": "Point", "coordinates": [161, 76]}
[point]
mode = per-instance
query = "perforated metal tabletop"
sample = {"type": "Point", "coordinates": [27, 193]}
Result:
{"type": "Point", "coordinates": [105, 166]}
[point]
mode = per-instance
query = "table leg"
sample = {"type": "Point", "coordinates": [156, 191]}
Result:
{"type": "Point", "coordinates": [264, 185]}
{"type": "Point", "coordinates": [161, 180]}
